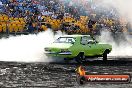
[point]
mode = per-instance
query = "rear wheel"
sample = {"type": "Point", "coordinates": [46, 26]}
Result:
{"type": "Point", "coordinates": [67, 60]}
{"type": "Point", "coordinates": [81, 80]}
{"type": "Point", "coordinates": [80, 58]}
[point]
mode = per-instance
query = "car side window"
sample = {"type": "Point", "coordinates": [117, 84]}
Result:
{"type": "Point", "coordinates": [91, 42]}
{"type": "Point", "coordinates": [87, 40]}
{"type": "Point", "coordinates": [84, 40]}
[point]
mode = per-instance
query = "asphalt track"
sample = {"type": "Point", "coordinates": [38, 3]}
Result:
{"type": "Point", "coordinates": [61, 75]}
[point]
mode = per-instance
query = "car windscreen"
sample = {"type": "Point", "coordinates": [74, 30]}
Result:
{"type": "Point", "coordinates": [65, 40]}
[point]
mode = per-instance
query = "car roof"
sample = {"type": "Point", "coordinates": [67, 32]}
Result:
{"type": "Point", "coordinates": [75, 35]}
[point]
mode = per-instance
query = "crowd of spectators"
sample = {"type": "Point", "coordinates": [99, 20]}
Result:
{"type": "Point", "coordinates": [72, 16]}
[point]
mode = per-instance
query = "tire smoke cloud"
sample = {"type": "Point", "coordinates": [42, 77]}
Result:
{"type": "Point", "coordinates": [27, 48]}
{"type": "Point", "coordinates": [120, 46]}
{"type": "Point", "coordinates": [30, 48]}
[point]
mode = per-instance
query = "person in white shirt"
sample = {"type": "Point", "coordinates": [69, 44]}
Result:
{"type": "Point", "coordinates": [1, 3]}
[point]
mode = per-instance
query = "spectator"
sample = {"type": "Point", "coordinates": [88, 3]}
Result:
{"type": "Point", "coordinates": [66, 11]}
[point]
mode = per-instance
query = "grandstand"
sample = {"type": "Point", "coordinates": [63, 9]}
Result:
{"type": "Point", "coordinates": [32, 16]}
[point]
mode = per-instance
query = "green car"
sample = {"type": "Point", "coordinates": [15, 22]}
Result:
{"type": "Point", "coordinates": [78, 47]}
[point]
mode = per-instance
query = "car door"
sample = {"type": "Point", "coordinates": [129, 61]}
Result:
{"type": "Point", "coordinates": [90, 47]}
{"type": "Point", "coordinates": [84, 46]}
{"type": "Point", "coordinates": [95, 48]}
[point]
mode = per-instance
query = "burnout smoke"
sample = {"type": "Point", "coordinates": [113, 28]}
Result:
{"type": "Point", "coordinates": [123, 48]}
{"type": "Point", "coordinates": [120, 46]}
{"type": "Point", "coordinates": [26, 48]}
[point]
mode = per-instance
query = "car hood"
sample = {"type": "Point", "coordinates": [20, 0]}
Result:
{"type": "Point", "coordinates": [60, 45]}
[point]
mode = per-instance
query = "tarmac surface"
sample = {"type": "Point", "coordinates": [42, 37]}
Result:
{"type": "Point", "coordinates": [61, 75]}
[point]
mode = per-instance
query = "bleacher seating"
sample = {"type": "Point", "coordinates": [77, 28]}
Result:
{"type": "Point", "coordinates": [17, 16]}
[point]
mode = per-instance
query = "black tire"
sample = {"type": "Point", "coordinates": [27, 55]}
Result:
{"type": "Point", "coordinates": [80, 58]}
{"type": "Point", "coordinates": [105, 55]}
{"type": "Point", "coordinates": [67, 60]}
{"type": "Point", "coordinates": [81, 80]}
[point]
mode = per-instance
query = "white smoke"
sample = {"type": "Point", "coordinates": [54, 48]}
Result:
{"type": "Point", "coordinates": [124, 48]}
{"type": "Point", "coordinates": [26, 48]}
{"type": "Point", "coordinates": [119, 49]}
{"type": "Point", "coordinates": [123, 7]}
{"type": "Point", "coordinates": [30, 48]}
